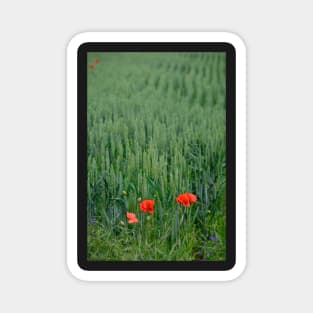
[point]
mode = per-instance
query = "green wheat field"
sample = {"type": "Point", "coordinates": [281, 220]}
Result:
{"type": "Point", "coordinates": [156, 129]}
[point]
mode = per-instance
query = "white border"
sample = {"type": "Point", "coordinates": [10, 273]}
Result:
{"type": "Point", "coordinates": [240, 156]}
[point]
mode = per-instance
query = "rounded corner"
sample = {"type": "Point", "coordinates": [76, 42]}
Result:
{"type": "Point", "coordinates": [77, 41]}
{"type": "Point", "coordinates": [235, 42]}
{"type": "Point", "coordinates": [76, 271]}
{"type": "Point", "coordinates": [236, 271]}
{"type": "Point", "coordinates": [236, 39]}
{"type": "Point", "coordinates": [230, 263]}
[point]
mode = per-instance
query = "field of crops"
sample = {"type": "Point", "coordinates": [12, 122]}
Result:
{"type": "Point", "coordinates": [156, 130]}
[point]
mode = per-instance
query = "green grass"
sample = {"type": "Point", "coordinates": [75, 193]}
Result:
{"type": "Point", "coordinates": [156, 129]}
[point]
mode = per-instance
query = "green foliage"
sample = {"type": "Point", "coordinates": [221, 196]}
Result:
{"type": "Point", "coordinates": [156, 129]}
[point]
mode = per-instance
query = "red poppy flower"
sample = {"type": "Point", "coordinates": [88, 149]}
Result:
{"type": "Point", "coordinates": [97, 61]}
{"type": "Point", "coordinates": [92, 67]}
{"type": "Point", "coordinates": [132, 219]}
{"type": "Point", "coordinates": [186, 199]}
{"type": "Point", "coordinates": [147, 206]}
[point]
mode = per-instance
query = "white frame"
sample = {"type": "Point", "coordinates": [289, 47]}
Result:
{"type": "Point", "coordinates": [240, 156]}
